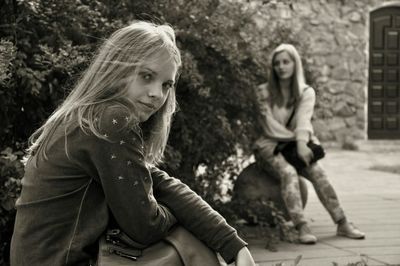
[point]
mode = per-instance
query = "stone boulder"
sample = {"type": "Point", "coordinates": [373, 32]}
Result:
{"type": "Point", "coordinates": [253, 186]}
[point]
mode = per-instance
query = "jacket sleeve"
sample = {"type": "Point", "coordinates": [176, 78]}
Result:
{"type": "Point", "coordinates": [126, 181]}
{"type": "Point", "coordinates": [196, 215]}
{"type": "Point", "coordinates": [270, 126]}
{"type": "Point", "coordinates": [303, 115]}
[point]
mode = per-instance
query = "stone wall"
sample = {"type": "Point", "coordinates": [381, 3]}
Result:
{"type": "Point", "coordinates": [332, 37]}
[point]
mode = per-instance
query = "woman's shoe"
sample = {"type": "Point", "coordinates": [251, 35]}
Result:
{"type": "Point", "coordinates": [349, 230]}
{"type": "Point", "coordinates": [305, 235]}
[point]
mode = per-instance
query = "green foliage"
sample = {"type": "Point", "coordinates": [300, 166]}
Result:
{"type": "Point", "coordinates": [54, 41]}
{"type": "Point", "coordinates": [7, 54]}
{"type": "Point", "coordinates": [11, 170]}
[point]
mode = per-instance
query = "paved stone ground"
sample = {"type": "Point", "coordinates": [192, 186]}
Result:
{"type": "Point", "coordinates": [371, 199]}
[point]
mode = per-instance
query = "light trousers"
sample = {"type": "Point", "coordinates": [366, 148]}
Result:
{"type": "Point", "coordinates": [278, 167]}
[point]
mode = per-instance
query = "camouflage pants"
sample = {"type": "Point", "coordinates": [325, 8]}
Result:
{"type": "Point", "coordinates": [289, 178]}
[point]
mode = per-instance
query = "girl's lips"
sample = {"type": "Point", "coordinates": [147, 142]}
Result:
{"type": "Point", "coordinates": [148, 105]}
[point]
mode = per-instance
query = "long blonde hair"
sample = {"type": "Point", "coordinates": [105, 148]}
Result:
{"type": "Point", "coordinates": [102, 86]}
{"type": "Point", "coordinates": [297, 82]}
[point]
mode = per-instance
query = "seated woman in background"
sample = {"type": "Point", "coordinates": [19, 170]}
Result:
{"type": "Point", "coordinates": [285, 93]}
{"type": "Point", "coordinates": [94, 160]}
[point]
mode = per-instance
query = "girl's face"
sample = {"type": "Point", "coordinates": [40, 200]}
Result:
{"type": "Point", "coordinates": [150, 88]}
{"type": "Point", "coordinates": [283, 65]}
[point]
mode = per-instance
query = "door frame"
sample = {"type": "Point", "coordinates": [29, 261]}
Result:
{"type": "Point", "coordinates": [369, 134]}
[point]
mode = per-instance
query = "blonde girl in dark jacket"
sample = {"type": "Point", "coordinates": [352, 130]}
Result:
{"type": "Point", "coordinates": [95, 160]}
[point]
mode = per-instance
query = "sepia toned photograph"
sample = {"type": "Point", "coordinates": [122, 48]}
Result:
{"type": "Point", "coordinates": [199, 133]}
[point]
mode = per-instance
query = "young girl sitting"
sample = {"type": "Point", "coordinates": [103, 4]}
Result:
{"type": "Point", "coordinates": [285, 93]}
{"type": "Point", "coordinates": [94, 161]}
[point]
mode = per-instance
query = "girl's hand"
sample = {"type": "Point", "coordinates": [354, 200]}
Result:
{"type": "Point", "coordinates": [304, 152]}
{"type": "Point", "coordinates": [244, 258]}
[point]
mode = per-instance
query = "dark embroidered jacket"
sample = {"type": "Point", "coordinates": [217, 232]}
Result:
{"type": "Point", "coordinates": [67, 201]}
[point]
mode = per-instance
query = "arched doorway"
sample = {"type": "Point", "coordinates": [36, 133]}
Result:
{"type": "Point", "coordinates": [384, 73]}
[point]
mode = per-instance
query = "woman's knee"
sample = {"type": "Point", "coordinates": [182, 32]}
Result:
{"type": "Point", "coordinates": [276, 165]}
{"type": "Point", "coordinates": [315, 174]}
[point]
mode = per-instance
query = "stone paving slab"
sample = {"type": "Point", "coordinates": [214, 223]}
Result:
{"type": "Point", "coordinates": [368, 242]}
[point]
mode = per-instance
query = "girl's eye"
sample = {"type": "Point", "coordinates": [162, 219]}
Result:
{"type": "Point", "coordinates": [147, 76]}
{"type": "Point", "coordinates": [168, 85]}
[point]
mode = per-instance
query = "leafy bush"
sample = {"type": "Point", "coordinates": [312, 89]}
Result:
{"type": "Point", "coordinates": [11, 170]}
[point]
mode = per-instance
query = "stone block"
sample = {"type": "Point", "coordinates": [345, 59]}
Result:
{"type": "Point", "coordinates": [326, 70]}
{"type": "Point", "coordinates": [359, 30]}
{"type": "Point", "coordinates": [343, 109]}
{"type": "Point", "coordinates": [336, 86]}
{"type": "Point", "coordinates": [303, 8]}
{"type": "Point", "coordinates": [351, 121]}
{"type": "Point", "coordinates": [335, 124]}
{"type": "Point", "coordinates": [355, 17]}
{"type": "Point", "coordinates": [341, 71]}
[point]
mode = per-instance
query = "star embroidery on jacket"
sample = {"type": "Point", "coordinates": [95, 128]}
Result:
{"type": "Point", "coordinates": [114, 121]}
{"type": "Point", "coordinates": [113, 156]}
{"type": "Point", "coordinates": [121, 142]}
{"type": "Point", "coordinates": [120, 177]}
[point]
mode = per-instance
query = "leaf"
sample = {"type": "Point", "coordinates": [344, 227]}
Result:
{"type": "Point", "coordinates": [364, 258]}
{"type": "Point", "coordinates": [297, 260]}
{"type": "Point", "coordinates": [8, 204]}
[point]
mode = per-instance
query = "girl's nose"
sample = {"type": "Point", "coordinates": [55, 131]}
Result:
{"type": "Point", "coordinates": [155, 91]}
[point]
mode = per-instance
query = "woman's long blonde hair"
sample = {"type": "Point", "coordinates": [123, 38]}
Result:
{"type": "Point", "coordinates": [297, 82]}
{"type": "Point", "coordinates": [102, 86]}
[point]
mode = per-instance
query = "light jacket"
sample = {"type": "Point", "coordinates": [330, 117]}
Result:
{"type": "Point", "coordinates": [68, 199]}
{"type": "Point", "coordinates": [273, 120]}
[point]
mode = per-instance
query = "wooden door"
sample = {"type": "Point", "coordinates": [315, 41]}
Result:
{"type": "Point", "coordinates": [384, 73]}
